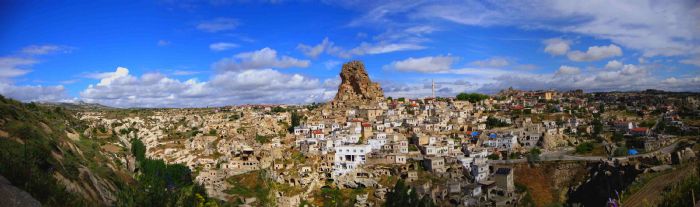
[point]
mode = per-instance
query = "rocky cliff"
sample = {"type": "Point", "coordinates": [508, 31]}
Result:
{"type": "Point", "coordinates": [356, 88]}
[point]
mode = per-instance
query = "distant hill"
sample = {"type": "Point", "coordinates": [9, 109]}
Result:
{"type": "Point", "coordinates": [80, 105]}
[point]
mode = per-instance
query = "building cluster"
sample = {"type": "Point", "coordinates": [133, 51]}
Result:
{"type": "Point", "coordinates": [450, 150]}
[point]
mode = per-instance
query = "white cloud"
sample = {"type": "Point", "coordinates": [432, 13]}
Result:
{"type": "Point", "coordinates": [33, 93]}
{"type": "Point", "coordinates": [364, 48]}
{"type": "Point", "coordinates": [380, 48]}
{"type": "Point", "coordinates": [556, 46]}
{"type": "Point", "coordinates": [218, 25]}
{"type": "Point", "coordinates": [423, 88]}
{"type": "Point", "coordinates": [442, 65]}
{"type": "Point", "coordinates": [221, 46]}
{"type": "Point", "coordinates": [626, 78]}
{"type": "Point", "coordinates": [652, 27]}
{"type": "Point", "coordinates": [526, 67]}
{"type": "Point", "coordinates": [44, 49]}
{"type": "Point", "coordinates": [230, 87]}
{"type": "Point", "coordinates": [119, 73]}
{"type": "Point", "coordinates": [613, 64]}
{"type": "Point", "coordinates": [314, 51]}
{"type": "Point", "coordinates": [15, 66]}
{"type": "Point", "coordinates": [331, 64]}
{"type": "Point", "coordinates": [478, 72]}
{"type": "Point", "coordinates": [494, 62]}
{"type": "Point", "coordinates": [641, 60]}
{"type": "Point", "coordinates": [259, 59]}
{"type": "Point", "coordinates": [430, 64]}
{"type": "Point", "coordinates": [185, 72]}
{"type": "Point", "coordinates": [20, 64]}
{"type": "Point", "coordinates": [567, 70]}
{"type": "Point", "coordinates": [595, 53]}
{"type": "Point", "coordinates": [152, 89]}
{"type": "Point", "coordinates": [163, 43]}
{"type": "Point", "coordinates": [11, 67]}
{"type": "Point", "coordinates": [692, 60]}
{"type": "Point", "coordinates": [423, 29]}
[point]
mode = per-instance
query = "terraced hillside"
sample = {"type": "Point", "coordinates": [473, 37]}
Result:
{"type": "Point", "coordinates": [44, 152]}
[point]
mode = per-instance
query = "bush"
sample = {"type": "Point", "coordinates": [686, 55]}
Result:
{"type": "Point", "coordinates": [618, 137]}
{"type": "Point", "coordinates": [585, 147]}
{"type": "Point", "coordinates": [262, 139]}
{"type": "Point", "coordinates": [620, 151]}
{"type": "Point", "coordinates": [534, 155]}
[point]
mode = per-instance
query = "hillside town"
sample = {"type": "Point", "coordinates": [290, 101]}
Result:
{"type": "Point", "coordinates": [457, 151]}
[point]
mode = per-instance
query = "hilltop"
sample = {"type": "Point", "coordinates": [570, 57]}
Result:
{"type": "Point", "coordinates": [356, 88]}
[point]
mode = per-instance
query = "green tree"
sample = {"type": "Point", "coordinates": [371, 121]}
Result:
{"type": "Point", "coordinates": [161, 184]}
{"type": "Point", "coordinates": [472, 97]}
{"type": "Point", "coordinates": [138, 149]}
{"type": "Point", "coordinates": [534, 155]}
{"type": "Point", "coordinates": [403, 195]}
{"type": "Point", "coordinates": [492, 122]}
{"type": "Point", "coordinates": [278, 109]}
{"type": "Point", "coordinates": [295, 121]}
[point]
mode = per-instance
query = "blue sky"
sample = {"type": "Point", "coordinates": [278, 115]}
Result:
{"type": "Point", "coordinates": [211, 53]}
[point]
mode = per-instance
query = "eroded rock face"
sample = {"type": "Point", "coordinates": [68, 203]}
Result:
{"type": "Point", "coordinates": [11, 196]}
{"type": "Point", "coordinates": [356, 87]}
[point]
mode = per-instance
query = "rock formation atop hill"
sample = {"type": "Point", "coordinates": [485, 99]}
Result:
{"type": "Point", "coordinates": [356, 88]}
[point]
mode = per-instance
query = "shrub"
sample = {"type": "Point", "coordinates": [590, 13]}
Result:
{"type": "Point", "coordinates": [585, 147]}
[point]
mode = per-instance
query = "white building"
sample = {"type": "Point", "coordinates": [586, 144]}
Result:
{"type": "Point", "coordinates": [376, 143]}
{"type": "Point", "coordinates": [349, 157]}
{"type": "Point", "coordinates": [502, 142]}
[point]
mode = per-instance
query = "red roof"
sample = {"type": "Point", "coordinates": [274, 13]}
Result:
{"type": "Point", "coordinates": [517, 107]}
{"type": "Point", "coordinates": [317, 132]}
{"type": "Point", "coordinates": [640, 129]}
{"type": "Point", "coordinates": [366, 124]}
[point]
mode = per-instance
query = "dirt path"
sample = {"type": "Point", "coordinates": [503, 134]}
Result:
{"type": "Point", "coordinates": [651, 192]}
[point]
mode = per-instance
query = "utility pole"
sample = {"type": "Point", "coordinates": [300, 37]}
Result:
{"type": "Point", "coordinates": [433, 80]}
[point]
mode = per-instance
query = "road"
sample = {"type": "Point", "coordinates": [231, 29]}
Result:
{"type": "Point", "coordinates": [564, 156]}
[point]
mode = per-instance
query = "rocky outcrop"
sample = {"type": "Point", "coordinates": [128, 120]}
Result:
{"type": "Point", "coordinates": [356, 88]}
{"type": "Point", "coordinates": [13, 196]}
{"type": "Point", "coordinates": [554, 141]}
